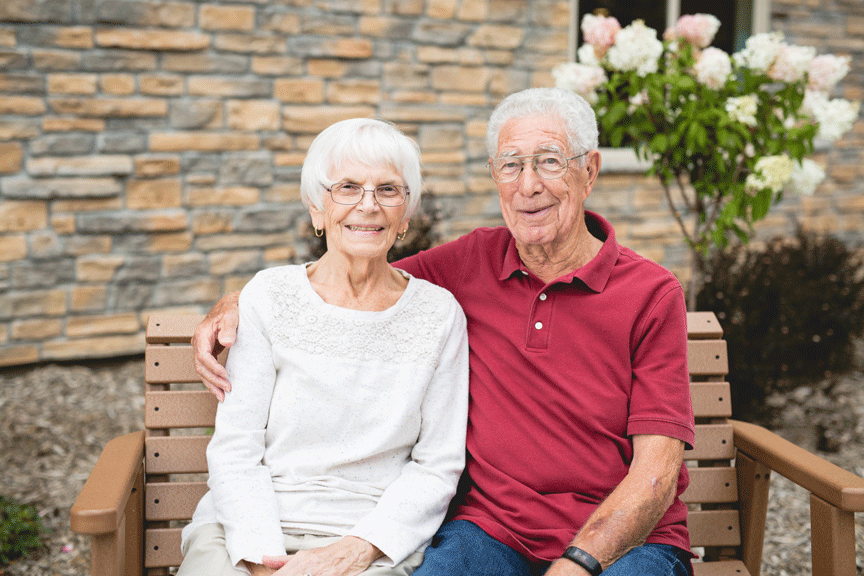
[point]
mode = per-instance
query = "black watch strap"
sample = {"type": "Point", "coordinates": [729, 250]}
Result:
{"type": "Point", "coordinates": [583, 559]}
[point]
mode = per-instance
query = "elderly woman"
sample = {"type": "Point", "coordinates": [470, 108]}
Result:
{"type": "Point", "coordinates": [342, 443]}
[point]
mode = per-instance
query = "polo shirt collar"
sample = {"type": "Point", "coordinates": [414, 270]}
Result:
{"type": "Point", "coordinates": [594, 275]}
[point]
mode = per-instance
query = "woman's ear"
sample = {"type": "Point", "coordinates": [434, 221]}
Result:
{"type": "Point", "coordinates": [317, 217]}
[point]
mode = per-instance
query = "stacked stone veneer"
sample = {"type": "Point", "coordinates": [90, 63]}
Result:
{"type": "Point", "coordinates": [150, 150]}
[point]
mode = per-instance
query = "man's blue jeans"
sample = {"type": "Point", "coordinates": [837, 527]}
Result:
{"type": "Point", "coordinates": [460, 548]}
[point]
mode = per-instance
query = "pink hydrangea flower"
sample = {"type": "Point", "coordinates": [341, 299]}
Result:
{"type": "Point", "coordinates": [600, 32]}
{"type": "Point", "coordinates": [697, 29]}
{"type": "Point", "coordinates": [826, 71]}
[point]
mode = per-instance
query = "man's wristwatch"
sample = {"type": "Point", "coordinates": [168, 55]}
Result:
{"type": "Point", "coordinates": [583, 559]}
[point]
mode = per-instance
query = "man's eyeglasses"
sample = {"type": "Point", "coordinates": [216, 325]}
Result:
{"type": "Point", "coordinates": [547, 165]}
{"type": "Point", "coordinates": [389, 195]}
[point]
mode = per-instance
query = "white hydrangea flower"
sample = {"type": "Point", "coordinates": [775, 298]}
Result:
{"type": "Point", "coordinates": [792, 63]}
{"type": "Point", "coordinates": [579, 78]}
{"type": "Point", "coordinates": [713, 68]}
{"type": "Point", "coordinates": [834, 117]}
{"type": "Point", "coordinates": [806, 177]}
{"type": "Point", "coordinates": [826, 70]}
{"type": "Point", "coordinates": [743, 109]}
{"type": "Point", "coordinates": [636, 48]}
{"type": "Point", "coordinates": [586, 55]}
{"type": "Point", "coordinates": [771, 172]}
{"type": "Point", "coordinates": [837, 118]}
{"type": "Point", "coordinates": [759, 52]}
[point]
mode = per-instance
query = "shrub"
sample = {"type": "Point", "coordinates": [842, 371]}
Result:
{"type": "Point", "coordinates": [790, 312]}
{"type": "Point", "coordinates": [20, 530]}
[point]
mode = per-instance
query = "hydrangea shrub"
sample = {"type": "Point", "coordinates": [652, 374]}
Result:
{"type": "Point", "coordinates": [734, 128]}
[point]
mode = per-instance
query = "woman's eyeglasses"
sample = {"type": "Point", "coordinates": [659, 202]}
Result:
{"type": "Point", "coordinates": [389, 195]}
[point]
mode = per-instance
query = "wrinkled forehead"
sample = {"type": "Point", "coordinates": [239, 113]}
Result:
{"type": "Point", "coordinates": [532, 134]}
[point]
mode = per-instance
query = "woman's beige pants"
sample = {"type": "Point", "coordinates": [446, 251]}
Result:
{"type": "Point", "coordinates": [204, 554]}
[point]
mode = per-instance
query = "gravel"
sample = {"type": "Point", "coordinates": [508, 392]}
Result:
{"type": "Point", "coordinates": [57, 418]}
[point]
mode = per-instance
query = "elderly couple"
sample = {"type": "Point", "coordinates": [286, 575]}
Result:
{"type": "Point", "coordinates": [341, 437]}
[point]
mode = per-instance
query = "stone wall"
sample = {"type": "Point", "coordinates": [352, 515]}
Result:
{"type": "Point", "coordinates": [150, 150]}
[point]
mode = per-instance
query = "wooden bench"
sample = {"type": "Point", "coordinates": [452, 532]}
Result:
{"type": "Point", "coordinates": [140, 492]}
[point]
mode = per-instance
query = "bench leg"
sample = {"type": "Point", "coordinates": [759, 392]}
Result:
{"type": "Point", "coordinates": [833, 535]}
{"type": "Point", "coordinates": [754, 481]}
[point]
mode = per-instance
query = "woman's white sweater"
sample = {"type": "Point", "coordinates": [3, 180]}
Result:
{"type": "Point", "coordinates": [340, 422]}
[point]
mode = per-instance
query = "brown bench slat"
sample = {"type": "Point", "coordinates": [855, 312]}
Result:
{"type": "Point", "coordinates": [172, 500]}
{"type": "Point", "coordinates": [179, 409]}
{"type": "Point", "coordinates": [178, 328]}
{"type": "Point", "coordinates": [714, 528]}
{"type": "Point", "coordinates": [172, 328]}
{"type": "Point", "coordinates": [703, 326]}
{"type": "Point", "coordinates": [713, 442]}
{"type": "Point", "coordinates": [170, 364]}
{"type": "Point", "coordinates": [707, 358]}
{"type": "Point", "coordinates": [724, 568]}
{"type": "Point", "coordinates": [176, 454]}
{"type": "Point", "coordinates": [162, 547]}
{"type": "Point", "coordinates": [711, 485]}
{"type": "Point", "coordinates": [711, 399]}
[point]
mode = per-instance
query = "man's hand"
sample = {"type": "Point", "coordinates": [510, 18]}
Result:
{"type": "Point", "coordinates": [347, 557]}
{"type": "Point", "coordinates": [216, 333]}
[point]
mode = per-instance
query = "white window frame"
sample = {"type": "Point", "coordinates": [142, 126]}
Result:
{"type": "Point", "coordinates": [624, 160]}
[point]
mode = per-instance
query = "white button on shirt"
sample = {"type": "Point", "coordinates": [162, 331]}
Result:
{"type": "Point", "coordinates": [538, 325]}
{"type": "Point", "coordinates": [542, 297]}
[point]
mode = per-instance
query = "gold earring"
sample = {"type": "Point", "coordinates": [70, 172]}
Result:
{"type": "Point", "coordinates": [401, 235]}
{"type": "Point", "coordinates": [318, 232]}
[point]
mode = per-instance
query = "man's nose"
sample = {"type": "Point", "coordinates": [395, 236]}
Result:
{"type": "Point", "coordinates": [530, 181]}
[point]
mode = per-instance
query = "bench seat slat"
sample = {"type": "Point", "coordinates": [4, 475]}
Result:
{"type": "Point", "coordinates": [176, 454]}
{"type": "Point", "coordinates": [172, 500]}
{"type": "Point", "coordinates": [179, 409]}
{"type": "Point", "coordinates": [714, 528]}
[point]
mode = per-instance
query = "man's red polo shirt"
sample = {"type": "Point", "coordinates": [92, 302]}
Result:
{"type": "Point", "coordinates": [562, 374]}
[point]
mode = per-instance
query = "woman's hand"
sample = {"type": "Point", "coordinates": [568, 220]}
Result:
{"type": "Point", "coordinates": [216, 333]}
{"type": "Point", "coordinates": [347, 557]}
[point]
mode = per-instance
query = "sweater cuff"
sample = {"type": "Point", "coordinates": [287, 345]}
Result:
{"type": "Point", "coordinates": [389, 537]}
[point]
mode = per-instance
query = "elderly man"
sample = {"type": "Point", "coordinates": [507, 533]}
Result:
{"type": "Point", "coordinates": [580, 407]}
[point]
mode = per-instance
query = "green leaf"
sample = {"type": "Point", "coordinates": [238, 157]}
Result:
{"type": "Point", "coordinates": [760, 204]}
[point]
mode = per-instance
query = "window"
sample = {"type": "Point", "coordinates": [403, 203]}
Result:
{"type": "Point", "coordinates": [739, 18]}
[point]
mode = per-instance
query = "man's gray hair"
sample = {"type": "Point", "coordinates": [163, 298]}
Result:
{"type": "Point", "coordinates": [364, 141]}
{"type": "Point", "coordinates": [577, 117]}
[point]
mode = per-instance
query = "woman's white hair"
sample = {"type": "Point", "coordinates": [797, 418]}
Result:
{"type": "Point", "coordinates": [577, 117]}
{"type": "Point", "coordinates": [363, 141]}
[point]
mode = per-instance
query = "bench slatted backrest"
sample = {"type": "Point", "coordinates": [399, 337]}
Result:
{"type": "Point", "coordinates": [176, 403]}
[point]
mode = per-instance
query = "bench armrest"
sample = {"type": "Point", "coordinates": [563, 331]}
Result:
{"type": "Point", "coordinates": [100, 504]}
{"type": "Point", "coordinates": [829, 482]}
